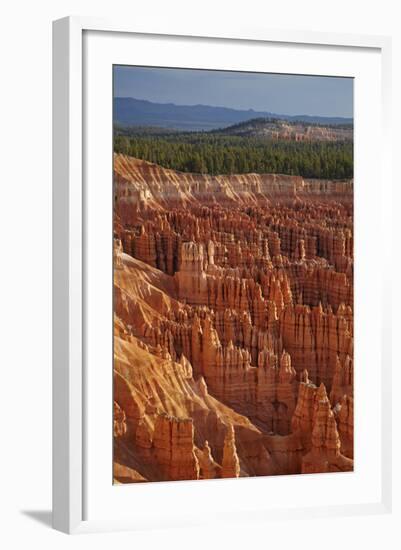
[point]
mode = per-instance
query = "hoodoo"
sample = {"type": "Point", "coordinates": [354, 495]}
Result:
{"type": "Point", "coordinates": [233, 323]}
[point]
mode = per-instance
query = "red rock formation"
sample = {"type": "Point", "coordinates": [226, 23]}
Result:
{"type": "Point", "coordinates": [343, 380]}
{"type": "Point", "coordinates": [233, 303]}
{"type": "Point", "coordinates": [119, 418]}
{"type": "Point", "coordinates": [316, 339]}
{"type": "Point", "coordinates": [173, 446]}
{"type": "Point", "coordinates": [344, 412]}
{"type": "Point", "coordinates": [209, 469]}
{"type": "Point", "coordinates": [230, 464]}
{"type": "Point", "coordinates": [325, 455]}
{"type": "Point", "coordinates": [117, 250]}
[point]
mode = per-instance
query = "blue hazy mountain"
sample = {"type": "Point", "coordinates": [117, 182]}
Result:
{"type": "Point", "coordinates": [129, 111]}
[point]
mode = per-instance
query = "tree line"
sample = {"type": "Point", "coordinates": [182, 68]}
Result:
{"type": "Point", "coordinates": [218, 154]}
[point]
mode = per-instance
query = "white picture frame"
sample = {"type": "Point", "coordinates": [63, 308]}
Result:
{"type": "Point", "coordinates": [70, 285]}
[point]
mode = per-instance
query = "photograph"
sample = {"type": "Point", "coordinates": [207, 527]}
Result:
{"type": "Point", "coordinates": [233, 274]}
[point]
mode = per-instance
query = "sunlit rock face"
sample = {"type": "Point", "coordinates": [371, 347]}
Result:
{"type": "Point", "coordinates": [233, 324]}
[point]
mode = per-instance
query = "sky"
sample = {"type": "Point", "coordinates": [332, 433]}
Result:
{"type": "Point", "coordinates": [276, 93]}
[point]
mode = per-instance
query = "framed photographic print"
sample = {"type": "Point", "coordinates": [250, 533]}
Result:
{"type": "Point", "coordinates": [220, 349]}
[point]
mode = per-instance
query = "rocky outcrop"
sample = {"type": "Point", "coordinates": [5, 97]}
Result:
{"type": "Point", "coordinates": [208, 468]}
{"type": "Point", "coordinates": [325, 455]}
{"type": "Point", "coordinates": [284, 130]}
{"type": "Point", "coordinates": [317, 339]}
{"type": "Point", "coordinates": [119, 421]}
{"type": "Point", "coordinates": [117, 254]}
{"type": "Point", "coordinates": [233, 328]}
{"type": "Point", "coordinates": [343, 380]}
{"type": "Point", "coordinates": [173, 446]}
{"type": "Point", "coordinates": [302, 419]}
{"type": "Point", "coordinates": [344, 412]}
{"type": "Point", "coordinates": [230, 464]}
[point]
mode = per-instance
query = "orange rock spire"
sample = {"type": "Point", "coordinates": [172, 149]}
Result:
{"type": "Point", "coordinates": [233, 324]}
{"type": "Point", "coordinates": [230, 464]}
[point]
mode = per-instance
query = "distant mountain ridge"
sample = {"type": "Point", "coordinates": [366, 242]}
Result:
{"type": "Point", "coordinates": [129, 111]}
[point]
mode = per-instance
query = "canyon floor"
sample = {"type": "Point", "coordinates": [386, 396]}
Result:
{"type": "Point", "coordinates": [233, 324]}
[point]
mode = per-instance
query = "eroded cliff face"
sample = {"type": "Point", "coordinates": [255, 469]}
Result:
{"type": "Point", "coordinates": [233, 304]}
{"type": "Point", "coordinates": [281, 130]}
